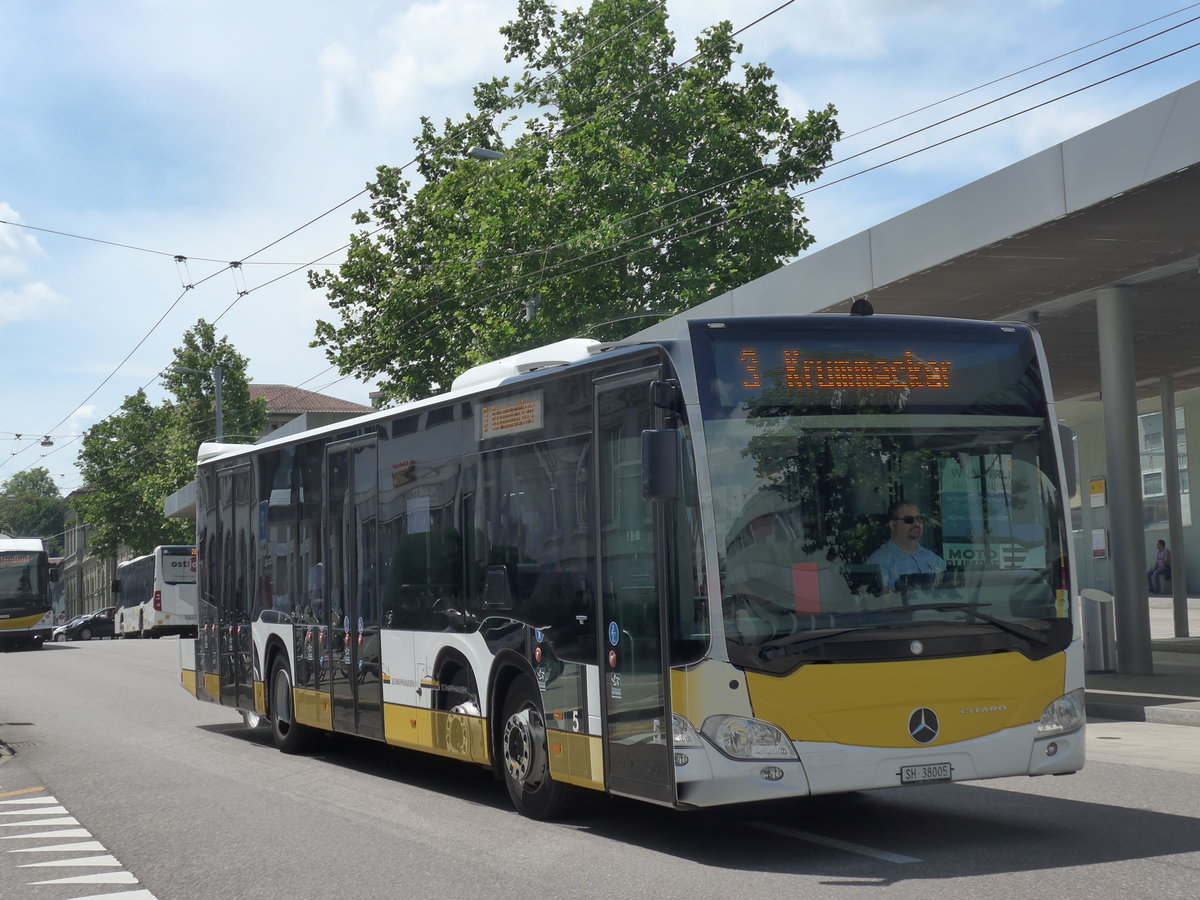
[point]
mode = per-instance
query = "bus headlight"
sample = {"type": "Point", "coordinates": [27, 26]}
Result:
{"type": "Point", "coordinates": [743, 738]}
{"type": "Point", "coordinates": [1064, 715]}
{"type": "Point", "coordinates": [685, 735]}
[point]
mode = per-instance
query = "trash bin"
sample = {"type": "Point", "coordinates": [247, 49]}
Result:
{"type": "Point", "coordinates": [1099, 631]}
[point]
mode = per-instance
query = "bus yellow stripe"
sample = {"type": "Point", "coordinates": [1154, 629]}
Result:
{"type": "Point", "coordinates": [260, 698]}
{"type": "Point", "coordinates": [576, 758]}
{"type": "Point", "coordinates": [312, 708]}
{"type": "Point", "coordinates": [434, 731]}
{"type": "Point", "coordinates": [869, 704]}
{"type": "Point", "coordinates": [21, 623]}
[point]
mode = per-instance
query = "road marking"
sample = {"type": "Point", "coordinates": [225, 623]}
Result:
{"type": "Point", "coordinates": [33, 800]}
{"type": "Point", "coordinates": [97, 878]}
{"type": "Point", "coordinates": [836, 843]}
{"type": "Point", "coordinates": [104, 860]}
{"type": "Point", "coordinates": [22, 791]}
{"type": "Point", "coordinates": [61, 820]}
{"type": "Point", "coordinates": [78, 847]}
{"type": "Point", "coordinates": [97, 858]}
{"type": "Point", "coordinates": [61, 833]}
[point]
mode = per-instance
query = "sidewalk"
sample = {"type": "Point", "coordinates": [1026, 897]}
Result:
{"type": "Point", "coordinates": [1170, 696]}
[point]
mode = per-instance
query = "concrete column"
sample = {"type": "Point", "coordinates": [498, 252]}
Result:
{"type": "Point", "coordinates": [1174, 508]}
{"type": "Point", "coordinates": [1124, 489]}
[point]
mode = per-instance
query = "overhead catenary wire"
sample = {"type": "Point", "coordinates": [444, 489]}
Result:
{"type": "Point", "coordinates": [495, 293]}
{"type": "Point", "coordinates": [865, 171]}
{"type": "Point", "coordinates": [510, 288]}
{"type": "Point", "coordinates": [556, 272]}
{"type": "Point", "coordinates": [187, 285]}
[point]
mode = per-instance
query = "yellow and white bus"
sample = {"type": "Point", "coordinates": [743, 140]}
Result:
{"type": "Point", "coordinates": [155, 594]}
{"type": "Point", "coordinates": [654, 570]}
{"type": "Point", "coordinates": [26, 607]}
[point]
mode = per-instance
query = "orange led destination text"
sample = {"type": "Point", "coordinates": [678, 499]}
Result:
{"type": "Point", "coordinates": [906, 373]}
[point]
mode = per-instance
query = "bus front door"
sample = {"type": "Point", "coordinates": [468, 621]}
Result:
{"type": "Point", "coordinates": [638, 756]}
{"type": "Point", "coordinates": [350, 553]}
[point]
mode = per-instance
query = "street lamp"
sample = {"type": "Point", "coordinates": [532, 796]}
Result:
{"type": "Point", "coordinates": [484, 153]}
{"type": "Point", "coordinates": [216, 378]}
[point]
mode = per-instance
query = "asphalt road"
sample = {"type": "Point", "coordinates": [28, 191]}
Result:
{"type": "Point", "coordinates": [166, 797]}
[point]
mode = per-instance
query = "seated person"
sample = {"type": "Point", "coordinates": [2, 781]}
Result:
{"type": "Point", "coordinates": [903, 553]}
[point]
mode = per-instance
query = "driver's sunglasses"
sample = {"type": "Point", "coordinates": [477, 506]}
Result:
{"type": "Point", "coordinates": [909, 520]}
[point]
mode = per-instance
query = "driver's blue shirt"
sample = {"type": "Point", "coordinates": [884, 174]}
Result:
{"type": "Point", "coordinates": [894, 562]}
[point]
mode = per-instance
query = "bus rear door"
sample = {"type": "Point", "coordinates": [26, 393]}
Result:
{"type": "Point", "coordinates": [638, 756]}
{"type": "Point", "coordinates": [351, 500]}
{"type": "Point", "coordinates": [236, 585]}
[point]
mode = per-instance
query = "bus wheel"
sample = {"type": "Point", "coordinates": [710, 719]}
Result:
{"type": "Point", "coordinates": [523, 753]}
{"type": "Point", "coordinates": [289, 735]}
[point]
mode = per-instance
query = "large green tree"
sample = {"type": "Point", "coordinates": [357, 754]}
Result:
{"type": "Point", "coordinates": [128, 476]}
{"type": "Point", "coordinates": [190, 379]}
{"type": "Point", "coordinates": [133, 460]}
{"type": "Point", "coordinates": [31, 506]}
{"type": "Point", "coordinates": [638, 187]}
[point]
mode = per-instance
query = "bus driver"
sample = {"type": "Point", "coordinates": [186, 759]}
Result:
{"type": "Point", "coordinates": [903, 553]}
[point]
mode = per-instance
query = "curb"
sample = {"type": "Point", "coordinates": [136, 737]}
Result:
{"type": "Point", "coordinates": [1133, 712]}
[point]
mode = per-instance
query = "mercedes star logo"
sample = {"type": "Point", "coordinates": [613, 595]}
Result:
{"type": "Point", "coordinates": [923, 725]}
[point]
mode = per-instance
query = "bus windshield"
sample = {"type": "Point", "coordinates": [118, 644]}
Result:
{"type": "Point", "coordinates": [880, 494]}
{"type": "Point", "coordinates": [23, 580]}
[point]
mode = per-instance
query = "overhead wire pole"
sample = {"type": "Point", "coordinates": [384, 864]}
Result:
{"type": "Point", "coordinates": [216, 375]}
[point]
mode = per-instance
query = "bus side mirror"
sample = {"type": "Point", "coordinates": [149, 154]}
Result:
{"type": "Point", "coordinates": [116, 586]}
{"type": "Point", "coordinates": [1066, 437]}
{"type": "Point", "coordinates": [660, 464]}
{"type": "Point", "coordinates": [53, 575]}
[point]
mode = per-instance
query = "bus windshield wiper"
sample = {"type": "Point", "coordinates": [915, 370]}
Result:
{"type": "Point", "coordinates": [774, 651]}
{"type": "Point", "coordinates": [1012, 628]}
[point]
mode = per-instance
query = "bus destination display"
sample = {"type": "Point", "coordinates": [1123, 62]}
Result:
{"type": "Point", "coordinates": [873, 371]}
{"type": "Point", "coordinates": [799, 370]}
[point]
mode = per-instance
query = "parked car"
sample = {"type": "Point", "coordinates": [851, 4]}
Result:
{"type": "Point", "coordinates": [60, 632]}
{"type": "Point", "coordinates": [96, 624]}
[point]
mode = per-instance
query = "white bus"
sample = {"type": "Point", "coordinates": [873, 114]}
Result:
{"type": "Point", "coordinates": [156, 594]}
{"type": "Point", "coordinates": [663, 570]}
{"type": "Point", "coordinates": [26, 613]}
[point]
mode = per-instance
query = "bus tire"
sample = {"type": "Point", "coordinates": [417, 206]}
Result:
{"type": "Point", "coordinates": [289, 735]}
{"type": "Point", "coordinates": [523, 756]}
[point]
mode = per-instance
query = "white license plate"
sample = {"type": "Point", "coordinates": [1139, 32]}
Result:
{"type": "Point", "coordinates": [925, 774]}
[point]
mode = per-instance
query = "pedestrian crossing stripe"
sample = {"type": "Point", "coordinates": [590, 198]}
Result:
{"type": "Point", "coordinates": [32, 814]}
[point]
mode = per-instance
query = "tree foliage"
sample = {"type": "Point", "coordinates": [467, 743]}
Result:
{"type": "Point", "coordinates": [128, 477]}
{"type": "Point", "coordinates": [31, 506]}
{"type": "Point", "coordinates": [636, 188]}
{"type": "Point", "coordinates": [133, 460]}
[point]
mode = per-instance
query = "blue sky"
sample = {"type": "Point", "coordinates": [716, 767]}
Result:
{"type": "Point", "coordinates": [212, 130]}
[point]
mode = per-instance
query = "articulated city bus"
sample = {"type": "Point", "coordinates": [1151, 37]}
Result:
{"type": "Point", "coordinates": [26, 607]}
{"type": "Point", "coordinates": [669, 570]}
{"type": "Point", "coordinates": [155, 594]}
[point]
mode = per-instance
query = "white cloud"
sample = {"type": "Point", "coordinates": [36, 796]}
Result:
{"type": "Point", "coordinates": [29, 302]}
{"type": "Point", "coordinates": [17, 247]}
{"type": "Point", "coordinates": [431, 50]}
